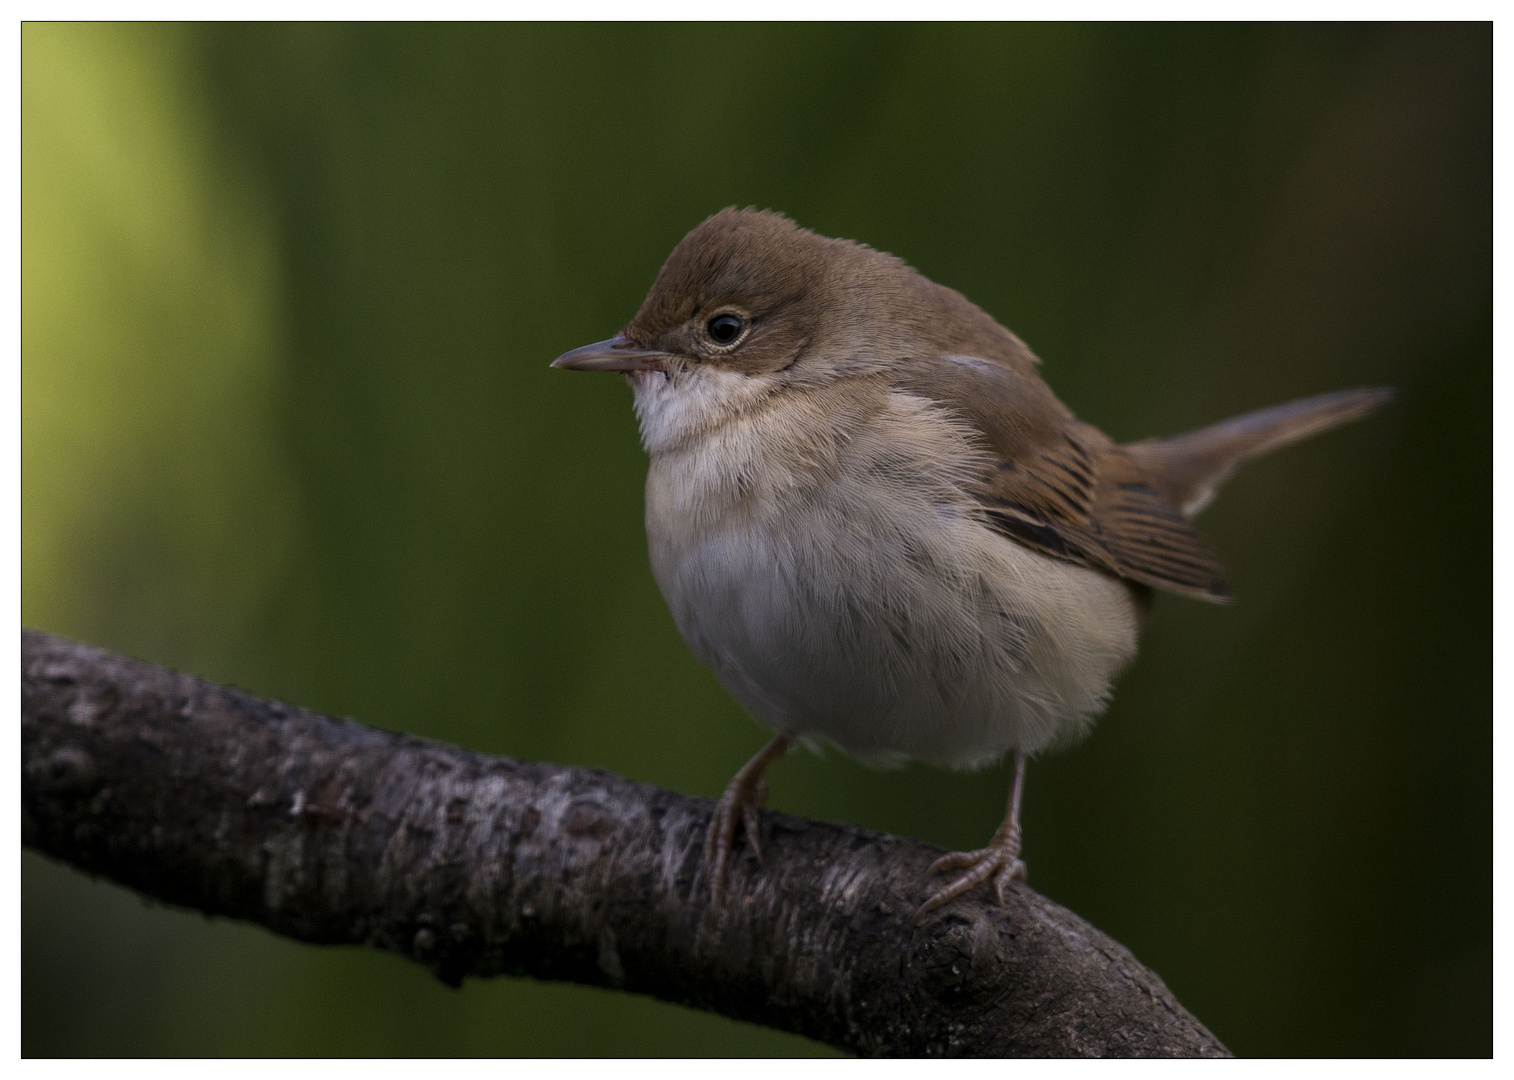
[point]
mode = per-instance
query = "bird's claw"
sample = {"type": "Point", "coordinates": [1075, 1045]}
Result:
{"type": "Point", "coordinates": [1000, 861]}
{"type": "Point", "coordinates": [738, 806]}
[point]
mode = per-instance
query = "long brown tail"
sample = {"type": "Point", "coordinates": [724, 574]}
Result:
{"type": "Point", "coordinates": [1188, 469]}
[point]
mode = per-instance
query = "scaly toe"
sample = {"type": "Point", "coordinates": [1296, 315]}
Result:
{"type": "Point", "coordinates": [717, 845]}
{"type": "Point", "coordinates": [980, 870]}
{"type": "Point", "coordinates": [1012, 871]}
{"type": "Point", "coordinates": [722, 831]}
{"type": "Point", "coordinates": [1000, 863]}
{"type": "Point", "coordinates": [736, 809]}
{"type": "Point", "coordinates": [957, 860]}
{"type": "Point", "coordinates": [752, 825]}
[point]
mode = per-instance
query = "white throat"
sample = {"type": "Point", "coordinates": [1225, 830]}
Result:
{"type": "Point", "coordinates": [686, 405]}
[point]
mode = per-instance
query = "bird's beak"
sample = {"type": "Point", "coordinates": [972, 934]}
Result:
{"type": "Point", "coordinates": [616, 354]}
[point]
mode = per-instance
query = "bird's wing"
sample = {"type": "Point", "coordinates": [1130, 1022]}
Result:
{"type": "Point", "coordinates": [1060, 486]}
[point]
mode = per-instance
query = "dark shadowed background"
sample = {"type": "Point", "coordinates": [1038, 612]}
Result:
{"type": "Point", "coordinates": [289, 296]}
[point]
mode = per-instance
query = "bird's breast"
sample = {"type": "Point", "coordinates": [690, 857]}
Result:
{"type": "Point", "coordinates": [833, 570]}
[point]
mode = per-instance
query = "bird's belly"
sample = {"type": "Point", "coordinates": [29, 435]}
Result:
{"type": "Point", "coordinates": [894, 627]}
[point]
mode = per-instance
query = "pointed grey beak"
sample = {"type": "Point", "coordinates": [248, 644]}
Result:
{"type": "Point", "coordinates": [615, 354]}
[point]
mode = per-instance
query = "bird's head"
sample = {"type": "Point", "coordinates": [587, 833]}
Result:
{"type": "Point", "coordinates": [750, 304]}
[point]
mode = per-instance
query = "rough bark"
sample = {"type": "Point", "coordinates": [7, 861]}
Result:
{"type": "Point", "coordinates": [330, 832]}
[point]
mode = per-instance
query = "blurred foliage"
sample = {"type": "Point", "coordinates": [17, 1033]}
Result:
{"type": "Point", "coordinates": [289, 295]}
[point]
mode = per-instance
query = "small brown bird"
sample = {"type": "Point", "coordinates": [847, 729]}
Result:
{"type": "Point", "coordinates": [879, 527]}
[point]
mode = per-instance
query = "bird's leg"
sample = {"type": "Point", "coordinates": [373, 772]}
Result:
{"type": "Point", "coordinates": [999, 860]}
{"type": "Point", "coordinates": [743, 797]}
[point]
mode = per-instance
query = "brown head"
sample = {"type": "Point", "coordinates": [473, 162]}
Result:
{"type": "Point", "coordinates": [749, 291]}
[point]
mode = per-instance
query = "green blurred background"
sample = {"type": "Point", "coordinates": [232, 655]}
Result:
{"type": "Point", "coordinates": [289, 296]}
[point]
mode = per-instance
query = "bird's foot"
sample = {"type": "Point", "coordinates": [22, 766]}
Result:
{"type": "Point", "coordinates": [737, 809]}
{"type": "Point", "coordinates": [1000, 861]}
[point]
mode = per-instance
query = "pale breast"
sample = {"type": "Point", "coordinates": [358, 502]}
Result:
{"type": "Point", "coordinates": [826, 561]}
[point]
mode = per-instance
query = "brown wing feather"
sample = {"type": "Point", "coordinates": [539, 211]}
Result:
{"type": "Point", "coordinates": [1061, 487]}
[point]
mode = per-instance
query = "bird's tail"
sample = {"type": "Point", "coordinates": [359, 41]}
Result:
{"type": "Point", "coordinates": [1188, 469]}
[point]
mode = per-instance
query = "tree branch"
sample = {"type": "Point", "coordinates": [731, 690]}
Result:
{"type": "Point", "coordinates": [330, 832]}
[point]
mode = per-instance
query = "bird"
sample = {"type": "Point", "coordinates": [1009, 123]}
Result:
{"type": "Point", "coordinates": [878, 526]}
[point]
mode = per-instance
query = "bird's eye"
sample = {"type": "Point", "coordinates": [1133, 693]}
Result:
{"type": "Point", "coordinates": [724, 329]}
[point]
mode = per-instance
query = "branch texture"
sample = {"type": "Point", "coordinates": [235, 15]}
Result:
{"type": "Point", "coordinates": [330, 832]}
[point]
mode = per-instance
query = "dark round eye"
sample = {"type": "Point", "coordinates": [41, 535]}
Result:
{"type": "Point", "coordinates": [724, 329]}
